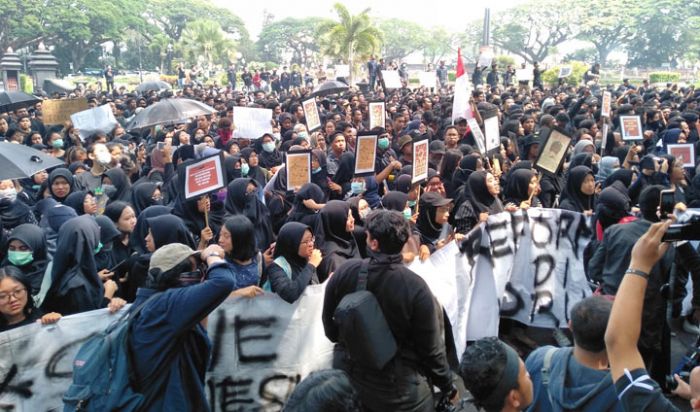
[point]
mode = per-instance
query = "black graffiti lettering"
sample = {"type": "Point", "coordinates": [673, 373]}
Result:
{"type": "Point", "coordinates": [471, 245]}
{"type": "Point", "coordinates": [565, 223]}
{"type": "Point", "coordinates": [233, 394]}
{"type": "Point", "coordinates": [278, 381]}
{"type": "Point", "coordinates": [546, 308]}
{"type": "Point", "coordinates": [23, 389]}
{"type": "Point", "coordinates": [499, 245]}
{"type": "Point", "coordinates": [217, 340]}
{"type": "Point", "coordinates": [517, 224]}
{"type": "Point", "coordinates": [514, 302]}
{"type": "Point", "coordinates": [51, 370]}
{"type": "Point", "coordinates": [544, 268]}
{"type": "Point", "coordinates": [239, 324]}
{"type": "Point", "coordinates": [564, 285]}
{"type": "Point", "coordinates": [537, 235]}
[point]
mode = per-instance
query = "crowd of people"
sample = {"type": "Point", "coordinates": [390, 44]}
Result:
{"type": "Point", "coordinates": [113, 226]}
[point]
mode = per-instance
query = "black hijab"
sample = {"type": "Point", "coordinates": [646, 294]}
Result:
{"type": "Point", "coordinates": [395, 201]}
{"type": "Point", "coordinates": [76, 200]}
{"type": "Point", "coordinates": [13, 213]}
{"type": "Point", "coordinates": [426, 226]}
{"type": "Point", "coordinates": [268, 160]}
{"type": "Point", "coordinates": [121, 183]}
{"type": "Point", "coordinates": [240, 202]}
{"type": "Point", "coordinates": [620, 175]}
{"type": "Point", "coordinates": [33, 237]}
{"type": "Point", "coordinates": [232, 172]}
{"type": "Point", "coordinates": [288, 242]}
{"type": "Point", "coordinates": [301, 213]}
{"type": "Point", "coordinates": [572, 197]}
{"type": "Point", "coordinates": [320, 177]}
{"type": "Point", "coordinates": [482, 201]}
{"type": "Point", "coordinates": [254, 172]}
{"type": "Point", "coordinates": [334, 217]}
{"type": "Point", "coordinates": [517, 186]}
{"type": "Point", "coordinates": [109, 235]}
{"type": "Point", "coordinates": [142, 196]}
{"type": "Point", "coordinates": [466, 167]}
{"type": "Point", "coordinates": [187, 210]}
{"type": "Point", "coordinates": [167, 229]}
{"type": "Point", "coordinates": [64, 173]}
{"type": "Point", "coordinates": [138, 236]}
{"type": "Point", "coordinates": [613, 204]}
{"type": "Point", "coordinates": [346, 169]}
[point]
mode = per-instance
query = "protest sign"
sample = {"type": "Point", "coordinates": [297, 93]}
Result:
{"type": "Point", "coordinates": [251, 123]}
{"type": "Point", "coordinates": [59, 111]}
{"type": "Point", "coordinates": [564, 71]}
{"type": "Point", "coordinates": [604, 135]}
{"type": "Point", "coordinates": [313, 120]}
{"type": "Point", "coordinates": [204, 176]}
{"type": "Point", "coordinates": [262, 348]}
{"type": "Point", "coordinates": [493, 134]}
{"type": "Point", "coordinates": [684, 153]}
{"type": "Point", "coordinates": [298, 169]}
{"type": "Point", "coordinates": [91, 121]}
{"type": "Point", "coordinates": [391, 79]}
{"type": "Point", "coordinates": [485, 59]}
{"type": "Point", "coordinates": [478, 135]}
{"type": "Point", "coordinates": [342, 70]}
{"type": "Point", "coordinates": [524, 75]}
{"type": "Point", "coordinates": [420, 160]}
{"type": "Point", "coordinates": [365, 154]}
{"type": "Point", "coordinates": [377, 115]}
{"type": "Point", "coordinates": [607, 102]}
{"type": "Point", "coordinates": [631, 128]}
{"type": "Point", "coordinates": [553, 152]}
{"type": "Point", "coordinates": [427, 79]}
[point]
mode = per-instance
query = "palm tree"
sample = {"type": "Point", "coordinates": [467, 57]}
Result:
{"type": "Point", "coordinates": [350, 36]}
{"type": "Point", "coordinates": [159, 47]}
{"type": "Point", "coordinates": [204, 38]}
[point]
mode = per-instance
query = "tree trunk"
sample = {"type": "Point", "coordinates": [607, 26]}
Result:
{"type": "Point", "coordinates": [603, 53]}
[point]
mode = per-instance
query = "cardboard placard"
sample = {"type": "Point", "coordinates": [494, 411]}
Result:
{"type": "Point", "coordinates": [524, 75]}
{"type": "Point", "coordinates": [427, 79]}
{"type": "Point", "coordinates": [683, 152]}
{"type": "Point", "coordinates": [631, 128]}
{"type": "Point", "coordinates": [98, 119]}
{"type": "Point", "coordinates": [204, 176]}
{"type": "Point", "coordinates": [607, 102]}
{"type": "Point", "coordinates": [342, 70]}
{"type": "Point", "coordinates": [313, 120]}
{"type": "Point", "coordinates": [298, 167]}
{"type": "Point", "coordinates": [493, 134]}
{"type": "Point", "coordinates": [251, 123]}
{"type": "Point", "coordinates": [365, 154]}
{"type": "Point", "coordinates": [565, 71]}
{"type": "Point", "coordinates": [391, 79]}
{"type": "Point", "coordinates": [604, 141]}
{"type": "Point", "coordinates": [421, 149]}
{"type": "Point", "coordinates": [485, 59]}
{"type": "Point", "coordinates": [57, 111]}
{"type": "Point", "coordinates": [478, 135]}
{"type": "Point", "coordinates": [377, 115]}
{"type": "Point", "coordinates": [553, 150]}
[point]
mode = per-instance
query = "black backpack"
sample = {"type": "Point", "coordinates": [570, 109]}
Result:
{"type": "Point", "coordinates": [363, 329]}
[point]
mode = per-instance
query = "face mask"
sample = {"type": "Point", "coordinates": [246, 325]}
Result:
{"type": "Point", "coordinates": [363, 213]}
{"type": "Point", "coordinates": [98, 248]}
{"type": "Point", "coordinates": [277, 136]}
{"type": "Point", "coordinates": [411, 204]}
{"type": "Point", "coordinates": [10, 194]}
{"type": "Point", "coordinates": [303, 135]}
{"type": "Point", "coordinates": [383, 143]}
{"type": "Point", "coordinates": [407, 213]}
{"type": "Point", "coordinates": [269, 147]}
{"type": "Point", "coordinates": [104, 158]}
{"type": "Point", "coordinates": [316, 170]}
{"type": "Point", "coordinates": [357, 187]}
{"type": "Point", "coordinates": [245, 169]}
{"type": "Point", "coordinates": [19, 258]}
{"type": "Point", "coordinates": [58, 144]}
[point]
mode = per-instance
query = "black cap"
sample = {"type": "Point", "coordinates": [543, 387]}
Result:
{"type": "Point", "coordinates": [434, 199]}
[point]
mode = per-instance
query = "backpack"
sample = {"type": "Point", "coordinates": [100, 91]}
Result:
{"type": "Point", "coordinates": [102, 374]}
{"type": "Point", "coordinates": [362, 327]}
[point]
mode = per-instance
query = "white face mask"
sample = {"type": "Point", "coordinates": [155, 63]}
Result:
{"type": "Point", "coordinates": [277, 136]}
{"type": "Point", "coordinates": [10, 194]}
{"type": "Point", "coordinates": [104, 158]}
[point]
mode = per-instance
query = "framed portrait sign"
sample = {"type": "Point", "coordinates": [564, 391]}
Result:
{"type": "Point", "coordinates": [313, 120]}
{"type": "Point", "coordinates": [420, 160]}
{"type": "Point", "coordinates": [684, 153]}
{"type": "Point", "coordinates": [298, 167]}
{"type": "Point", "coordinates": [205, 176]}
{"type": "Point", "coordinates": [605, 106]}
{"type": "Point", "coordinates": [553, 151]}
{"type": "Point", "coordinates": [631, 127]}
{"type": "Point", "coordinates": [493, 134]}
{"type": "Point", "coordinates": [604, 134]}
{"type": "Point", "coordinates": [478, 135]}
{"type": "Point", "coordinates": [377, 115]}
{"type": "Point", "coordinates": [365, 154]}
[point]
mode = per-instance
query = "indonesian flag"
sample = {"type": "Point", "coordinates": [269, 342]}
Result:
{"type": "Point", "coordinates": [460, 105]}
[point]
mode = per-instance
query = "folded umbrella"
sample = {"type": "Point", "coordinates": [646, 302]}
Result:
{"type": "Point", "coordinates": [330, 87]}
{"type": "Point", "coordinates": [19, 161]}
{"type": "Point", "coordinates": [10, 101]}
{"type": "Point", "coordinates": [169, 111]}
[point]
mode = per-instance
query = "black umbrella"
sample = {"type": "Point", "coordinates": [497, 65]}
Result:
{"type": "Point", "coordinates": [330, 87]}
{"type": "Point", "coordinates": [169, 111]}
{"type": "Point", "coordinates": [19, 161]}
{"type": "Point", "coordinates": [10, 101]}
{"type": "Point", "coordinates": [157, 85]}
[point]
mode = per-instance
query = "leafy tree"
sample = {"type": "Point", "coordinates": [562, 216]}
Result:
{"type": "Point", "coordinates": [349, 36]}
{"type": "Point", "coordinates": [158, 45]}
{"type": "Point", "coordinates": [401, 38]}
{"type": "Point", "coordinates": [586, 54]}
{"type": "Point", "coordinates": [437, 44]}
{"type": "Point", "coordinates": [290, 34]}
{"type": "Point", "coordinates": [531, 30]}
{"type": "Point", "coordinates": [206, 39]}
{"type": "Point", "coordinates": [20, 23]}
{"type": "Point", "coordinates": [607, 24]}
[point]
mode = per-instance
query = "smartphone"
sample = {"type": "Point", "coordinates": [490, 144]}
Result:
{"type": "Point", "coordinates": [667, 202]}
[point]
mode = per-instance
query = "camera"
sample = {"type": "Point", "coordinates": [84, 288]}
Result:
{"type": "Point", "coordinates": [687, 363]}
{"type": "Point", "coordinates": [689, 230]}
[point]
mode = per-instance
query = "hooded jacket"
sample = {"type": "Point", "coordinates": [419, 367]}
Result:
{"type": "Point", "coordinates": [572, 386]}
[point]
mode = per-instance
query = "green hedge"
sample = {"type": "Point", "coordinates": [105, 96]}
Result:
{"type": "Point", "coordinates": [664, 77]}
{"type": "Point", "coordinates": [26, 83]}
{"type": "Point", "coordinates": [578, 69]}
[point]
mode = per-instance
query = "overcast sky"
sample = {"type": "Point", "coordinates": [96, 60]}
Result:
{"type": "Point", "coordinates": [429, 13]}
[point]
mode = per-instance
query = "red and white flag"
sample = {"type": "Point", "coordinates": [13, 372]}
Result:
{"type": "Point", "coordinates": [460, 105]}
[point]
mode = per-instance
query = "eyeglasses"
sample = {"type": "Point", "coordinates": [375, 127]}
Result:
{"type": "Point", "coordinates": [17, 294]}
{"type": "Point", "coordinates": [306, 242]}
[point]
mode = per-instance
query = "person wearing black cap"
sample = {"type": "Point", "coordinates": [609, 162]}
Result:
{"type": "Point", "coordinates": [436, 152]}
{"type": "Point", "coordinates": [405, 150]}
{"type": "Point", "coordinates": [431, 227]}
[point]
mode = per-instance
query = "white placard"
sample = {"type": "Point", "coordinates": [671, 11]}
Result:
{"type": "Point", "coordinates": [91, 121]}
{"type": "Point", "coordinates": [478, 135]}
{"type": "Point", "coordinates": [607, 102]}
{"type": "Point", "coordinates": [342, 70]}
{"type": "Point", "coordinates": [427, 79]}
{"type": "Point", "coordinates": [391, 79]}
{"type": "Point", "coordinates": [564, 71]}
{"type": "Point", "coordinates": [493, 134]}
{"type": "Point", "coordinates": [524, 75]}
{"type": "Point", "coordinates": [251, 123]}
